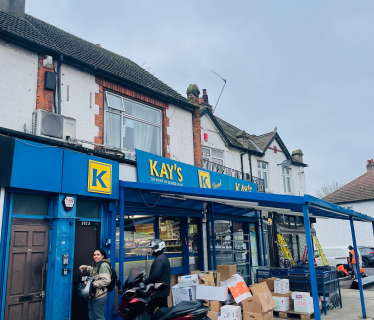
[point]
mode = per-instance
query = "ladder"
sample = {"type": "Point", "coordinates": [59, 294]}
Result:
{"type": "Point", "coordinates": [284, 247]}
{"type": "Point", "coordinates": [305, 257]}
{"type": "Point", "coordinates": [322, 256]}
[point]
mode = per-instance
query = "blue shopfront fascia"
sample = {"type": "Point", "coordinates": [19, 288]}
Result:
{"type": "Point", "coordinates": [158, 170]}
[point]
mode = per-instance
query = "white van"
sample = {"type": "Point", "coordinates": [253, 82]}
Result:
{"type": "Point", "coordinates": [335, 255]}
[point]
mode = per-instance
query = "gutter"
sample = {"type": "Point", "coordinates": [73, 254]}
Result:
{"type": "Point", "coordinates": [42, 49]}
{"type": "Point", "coordinates": [65, 145]}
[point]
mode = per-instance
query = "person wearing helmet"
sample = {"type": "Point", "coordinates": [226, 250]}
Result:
{"type": "Point", "coordinates": [160, 273]}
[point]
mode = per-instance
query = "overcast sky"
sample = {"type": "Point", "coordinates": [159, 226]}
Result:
{"type": "Point", "coordinates": [306, 67]}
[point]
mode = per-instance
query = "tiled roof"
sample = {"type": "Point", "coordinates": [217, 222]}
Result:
{"type": "Point", "coordinates": [231, 132]}
{"type": "Point", "coordinates": [42, 33]}
{"type": "Point", "coordinates": [263, 140]}
{"type": "Point", "coordinates": [359, 189]}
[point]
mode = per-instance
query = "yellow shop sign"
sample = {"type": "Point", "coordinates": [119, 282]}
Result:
{"type": "Point", "coordinates": [99, 177]}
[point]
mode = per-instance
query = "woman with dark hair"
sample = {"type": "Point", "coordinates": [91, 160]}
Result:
{"type": "Point", "coordinates": [100, 272]}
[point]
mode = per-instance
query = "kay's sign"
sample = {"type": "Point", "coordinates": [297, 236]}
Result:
{"type": "Point", "coordinates": [156, 169]}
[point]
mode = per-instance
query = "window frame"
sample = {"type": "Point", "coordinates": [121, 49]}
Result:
{"type": "Point", "coordinates": [266, 182]}
{"type": "Point", "coordinates": [211, 157]}
{"type": "Point", "coordinates": [285, 176]}
{"type": "Point", "coordinates": [123, 115]}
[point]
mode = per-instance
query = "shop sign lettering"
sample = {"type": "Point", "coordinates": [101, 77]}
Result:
{"type": "Point", "coordinates": [165, 173]}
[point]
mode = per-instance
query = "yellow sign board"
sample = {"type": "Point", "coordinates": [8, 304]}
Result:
{"type": "Point", "coordinates": [204, 179]}
{"type": "Point", "coordinates": [99, 177]}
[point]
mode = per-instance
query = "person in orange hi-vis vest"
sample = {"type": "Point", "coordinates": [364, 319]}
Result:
{"type": "Point", "coordinates": [352, 260]}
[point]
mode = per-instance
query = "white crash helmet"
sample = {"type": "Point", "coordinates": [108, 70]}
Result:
{"type": "Point", "coordinates": [157, 245]}
{"type": "Point", "coordinates": [85, 289]}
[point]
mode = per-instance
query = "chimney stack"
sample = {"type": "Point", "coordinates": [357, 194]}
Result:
{"type": "Point", "coordinates": [298, 155]}
{"type": "Point", "coordinates": [14, 7]}
{"type": "Point", "coordinates": [205, 97]}
{"type": "Point", "coordinates": [370, 165]}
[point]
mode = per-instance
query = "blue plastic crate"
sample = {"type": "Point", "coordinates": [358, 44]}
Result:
{"type": "Point", "coordinates": [279, 273]}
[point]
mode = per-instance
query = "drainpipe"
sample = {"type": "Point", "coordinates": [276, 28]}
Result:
{"type": "Point", "coordinates": [241, 161]}
{"type": "Point", "coordinates": [250, 165]}
{"type": "Point", "coordinates": [59, 84]}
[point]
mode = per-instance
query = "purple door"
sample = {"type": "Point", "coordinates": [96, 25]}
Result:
{"type": "Point", "coordinates": [27, 270]}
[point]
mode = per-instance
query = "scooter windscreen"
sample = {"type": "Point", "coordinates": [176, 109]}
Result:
{"type": "Point", "coordinates": [135, 277]}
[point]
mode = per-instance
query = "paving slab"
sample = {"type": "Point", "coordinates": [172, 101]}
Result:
{"type": "Point", "coordinates": [351, 306]}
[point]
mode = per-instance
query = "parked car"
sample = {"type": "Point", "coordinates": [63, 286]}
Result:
{"type": "Point", "coordinates": [335, 256]}
{"type": "Point", "coordinates": [367, 254]}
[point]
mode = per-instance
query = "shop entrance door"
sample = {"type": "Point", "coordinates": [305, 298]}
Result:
{"type": "Point", "coordinates": [27, 270]}
{"type": "Point", "coordinates": [87, 239]}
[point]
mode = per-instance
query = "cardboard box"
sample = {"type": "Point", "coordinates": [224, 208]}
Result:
{"type": "Point", "coordinates": [304, 306]}
{"type": "Point", "coordinates": [259, 288]}
{"type": "Point", "coordinates": [208, 292]}
{"type": "Point", "coordinates": [269, 282]}
{"type": "Point", "coordinates": [260, 303]}
{"type": "Point", "coordinates": [288, 294]}
{"type": "Point", "coordinates": [212, 279]}
{"type": "Point", "coordinates": [226, 271]}
{"type": "Point", "coordinates": [281, 286]}
{"type": "Point", "coordinates": [213, 315]}
{"type": "Point", "coordinates": [231, 312]}
{"type": "Point", "coordinates": [215, 305]}
{"type": "Point", "coordinates": [173, 281]}
{"type": "Point", "coordinates": [300, 295]}
{"type": "Point", "coordinates": [282, 303]}
{"type": "Point", "coordinates": [183, 294]}
{"type": "Point", "coordinates": [238, 288]}
{"type": "Point", "coordinates": [188, 281]}
{"type": "Point", "coordinates": [170, 299]}
{"type": "Point", "coordinates": [258, 316]}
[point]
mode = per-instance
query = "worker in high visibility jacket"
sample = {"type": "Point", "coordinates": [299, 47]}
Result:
{"type": "Point", "coordinates": [352, 260]}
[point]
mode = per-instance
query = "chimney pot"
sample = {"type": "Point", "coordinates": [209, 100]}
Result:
{"type": "Point", "coordinates": [370, 165]}
{"type": "Point", "coordinates": [14, 7]}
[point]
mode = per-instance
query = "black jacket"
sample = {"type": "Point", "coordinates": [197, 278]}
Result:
{"type": "Point", "coordinates": [160, 273]}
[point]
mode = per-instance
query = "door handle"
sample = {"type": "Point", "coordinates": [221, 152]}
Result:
{"type": "Point", "coordinates": [42, 295]}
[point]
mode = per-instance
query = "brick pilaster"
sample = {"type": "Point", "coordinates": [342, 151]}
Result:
{"type": "Point", "coordinates": [44, 97]}
{"type": "Point", "coordinates": [196, 127]}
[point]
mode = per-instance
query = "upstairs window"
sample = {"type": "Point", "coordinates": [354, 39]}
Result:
{"type": "Point", "coordinates": [213, 155]}
{"type": "Point", "coordinates": [130, 125]}
{"type": "Point", "coordinates": [286, 180]}
{"type": "Point", "coordinates": [263, 172]}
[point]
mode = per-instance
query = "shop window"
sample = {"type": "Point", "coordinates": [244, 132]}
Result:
{"type": "Point", "coordinates": [88, 209]}
{"type": "Point", "coordinates": [130, 125]}
{"type": "Point", "coordinates": [286, 180]}
{"type": "Point", "coordinates": [170, 232]}
{"type": "Point", "coordinates": [263, 172]}
{"type": "Point", "coordinates": [138, 233]}
{"type": "Point", "coordinates": [193, 245]}
{"type": "Point", "coordinates": [224, 242]}
{"type": "Point", "coordinates": [254, 251]}
{"type": "Point", "coordinates": [30, 204]}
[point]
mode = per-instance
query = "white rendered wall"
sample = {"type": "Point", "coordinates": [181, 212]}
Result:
{"type": "Point", "coordinates": [231, 157]}
{"type": "Point", "coordinates": [78, 90]}
{"type": "Point", "coordinates": [18, 84]}
{"type": "Point", "coordinates": [180, 131]}
{"type": "Point", "coordinates": [275, 178]}
{"type": "Point", "coordinates": [332, 232]}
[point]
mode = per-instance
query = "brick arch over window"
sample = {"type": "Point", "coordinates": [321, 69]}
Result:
{"type": "Point", "coordinates": [129, 93]}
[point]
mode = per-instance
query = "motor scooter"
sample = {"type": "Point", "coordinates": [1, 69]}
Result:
{"type": "Point", "coordinates": [135, 297]}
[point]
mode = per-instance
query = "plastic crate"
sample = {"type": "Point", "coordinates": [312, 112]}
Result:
{"type": "Point", "coordinates": [279, 273]}
{"type": "Point", "coordinates": [294, 279]}
{"type": "Point", "coordinates": [330, 288]}
{"type": "Point", "coordinates": [262, 274]}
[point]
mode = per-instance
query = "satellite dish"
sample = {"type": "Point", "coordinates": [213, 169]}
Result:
{"type": "Point", "coordinates": [285, 163]}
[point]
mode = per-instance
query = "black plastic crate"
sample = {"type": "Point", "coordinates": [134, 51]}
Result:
{"type": "Point", "coordinates": [294, 284]}
{"type": "Point", "coordinates": [327, 276]}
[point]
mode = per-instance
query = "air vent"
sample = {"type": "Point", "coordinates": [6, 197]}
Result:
{"type": "Point", "coordinates": [53, 125]}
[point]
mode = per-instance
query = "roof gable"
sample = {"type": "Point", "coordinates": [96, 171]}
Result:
{"type": "Point", "coordinates": [360, 189]}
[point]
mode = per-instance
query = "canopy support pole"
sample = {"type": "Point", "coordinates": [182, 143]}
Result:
{"type": "Point", "coordinates": [358, 269]}
{"type": "Point", "coordinates": [263, 238]}
{"type": "Point", "coordinates": [121, 232]}
{"type": "Point", "coordinates": [208, 237]}
{"type": "Point", "coordinates": [214, 237]}
{"type": "Point", "coordinates": [312, 268]}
